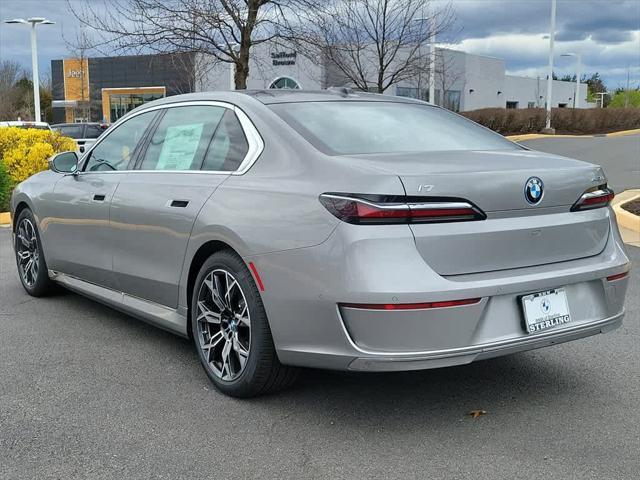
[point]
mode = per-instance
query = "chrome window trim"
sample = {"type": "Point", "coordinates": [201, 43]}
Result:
{"type": "Point", "coordinates": [254, 139]}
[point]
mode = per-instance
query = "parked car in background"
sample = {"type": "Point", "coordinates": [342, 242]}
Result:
{"type": "Point", "coordinates": [339, 230]}
{"type": "Point", "coordinates": [85, 134]}
{"type": "Point", "coordinates": [23, 124]}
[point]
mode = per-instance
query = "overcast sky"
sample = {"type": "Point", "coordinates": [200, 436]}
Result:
{"type": "Point", "coordinates": [605, 32]}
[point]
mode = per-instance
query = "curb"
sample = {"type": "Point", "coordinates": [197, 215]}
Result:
{"type": "Point", "coordinates": [627, 219]}
{"type": "Point", "coordinates": [623, 133]}
{"type": "Point", "coordinates": [535, 136]}
{"type": "Point", "coordinates": [5, 218]}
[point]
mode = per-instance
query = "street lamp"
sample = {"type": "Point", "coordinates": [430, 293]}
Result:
{"type": "Point", "coordinates": [33, 21]}
{"type": "Point", "coordinates": [552, 33]}
{"type": "Point", "coordinates": [576, 97]}
{"type": "Point", "coordinates": [432, 57]}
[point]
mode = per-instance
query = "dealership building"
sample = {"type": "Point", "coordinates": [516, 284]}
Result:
{"type": "Point", "coordinates": [105, 88]}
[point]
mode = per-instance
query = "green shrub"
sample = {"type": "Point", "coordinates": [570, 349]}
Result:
{"type": "Point", "coordinates": [620, 98]}
{"type": "Point", "coordinates": [5, 188]}
{"type": "Point", "coordinates": [565, 120]}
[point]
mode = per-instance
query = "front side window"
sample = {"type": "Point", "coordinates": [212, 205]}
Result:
{"type": "Point", "coordinates": [361, 127]}
{"type": "Point", "coordinates": [181, 140]}
{"type": "Point", "coordinates": [115, 151]}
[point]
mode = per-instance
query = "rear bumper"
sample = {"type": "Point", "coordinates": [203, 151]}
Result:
{"type": "Point", "coordinates": [304, 287]}
{"type": "Point", "coordinates": [460, 356]}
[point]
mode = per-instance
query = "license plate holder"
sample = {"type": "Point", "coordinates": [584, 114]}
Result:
{"type": "Point", "coordinates": [545, 310]}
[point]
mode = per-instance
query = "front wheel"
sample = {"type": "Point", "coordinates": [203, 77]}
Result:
{"type": "Point", "coordinates": [32, 267]}
{"type": "Point", "coordinates": [231, 332]}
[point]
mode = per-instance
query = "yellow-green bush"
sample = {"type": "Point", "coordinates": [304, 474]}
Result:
{"type": "Point", "coordinates": [24, 152]}
{"type": "Point", "coordinates": [27, 151]}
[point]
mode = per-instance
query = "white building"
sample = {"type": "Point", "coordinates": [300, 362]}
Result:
{"type": "Point", "coordinates": [469, 82]}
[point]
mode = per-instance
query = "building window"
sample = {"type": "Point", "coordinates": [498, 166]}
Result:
{"type": "Point", "coordinates": [452, 100]}
{"type": "Point", "coordinates": [531, 105]}
{"type": "Point", "coordinates": [285, 82]}
{"type": "Point", "coordinates": [562, 105]}
{"type": "Point", "coordinates": [412, 92]}
{"type": "Point", "coordinates": [512, 104]}
{"type": "Point", "coordinates": [122, 103]}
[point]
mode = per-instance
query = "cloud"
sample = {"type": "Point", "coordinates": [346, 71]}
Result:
{"type": "Point", "coordinates": [605, 32]}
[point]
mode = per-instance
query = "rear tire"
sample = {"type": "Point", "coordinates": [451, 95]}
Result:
{"type": "Point", "coordinates": [231, 332]}
{"type": "Point", "coordinates": [32, 267]}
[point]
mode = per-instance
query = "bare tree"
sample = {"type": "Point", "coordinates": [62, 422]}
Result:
{"type": "Point", "coordinates": [372, 44]}
{"type": "Point", "coordinates": [10, 73]}
{"type": "Point", "coordinates": [226, 30]}
{"type": "Point", "coordinates": [447, 74]}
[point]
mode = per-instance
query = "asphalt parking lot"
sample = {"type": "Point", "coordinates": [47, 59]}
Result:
{"type": "Point", "coordinates": [87, 392]}
{"type": "Point", "coordinates": [619, 156]}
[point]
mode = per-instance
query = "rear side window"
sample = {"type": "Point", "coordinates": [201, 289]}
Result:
{"type": "Point", "coordinates": [361, 127]}
{"type": "Point", "coordinates": [229, 146]}
{"type": "Point", "coordinates": [73, 131]}
{"type": "Point", "coordinates": [93, 131]}
{"type": "Point", "coordinates": [182, 137]}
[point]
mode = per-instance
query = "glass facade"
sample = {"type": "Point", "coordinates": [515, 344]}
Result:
{"type": "Point", "coordinates": [413, 92]}
{"type": "Point", "coordinates": [122, 103]}
{"type": "Point", "coordinates": [451, 97]}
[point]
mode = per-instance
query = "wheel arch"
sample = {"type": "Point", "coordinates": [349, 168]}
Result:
{"type": "Point", "coordinates": [200, 256]}
{"type": "Point", "coordinates": [21, 205]}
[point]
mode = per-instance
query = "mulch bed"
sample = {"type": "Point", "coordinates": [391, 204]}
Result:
{"type": "Point", "coordinates": [633, 207]}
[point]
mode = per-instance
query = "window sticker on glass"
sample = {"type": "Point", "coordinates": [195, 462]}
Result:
{"type": "Point", "coordinates": [179, 147]}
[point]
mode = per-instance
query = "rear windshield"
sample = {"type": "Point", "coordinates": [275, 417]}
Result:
{"type": "Point", "coordinates": [361, 127]}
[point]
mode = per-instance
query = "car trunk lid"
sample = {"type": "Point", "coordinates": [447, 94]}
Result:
{"type": "Point", "coordinates": [516, 233]}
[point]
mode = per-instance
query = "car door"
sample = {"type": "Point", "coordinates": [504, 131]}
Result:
{"type": "Point", "coordinates": [77, 232]}
{"type": "Point", "coordinates": [191, 152]}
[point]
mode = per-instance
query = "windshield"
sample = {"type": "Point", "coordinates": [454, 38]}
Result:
{"type": "Point", "coordinates": [360, 127]}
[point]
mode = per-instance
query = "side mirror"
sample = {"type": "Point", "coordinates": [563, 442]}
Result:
{"type": "Point", "coordinates": [65, 162]}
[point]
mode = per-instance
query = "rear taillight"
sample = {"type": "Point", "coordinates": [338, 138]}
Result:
{"type": "Point", "coordinates": [594, 198]}
{"type": "Point", "coordinates": [376, 209]}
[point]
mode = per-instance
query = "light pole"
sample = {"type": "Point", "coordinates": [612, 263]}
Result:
{"type": "Point", "coordinates": [432, 56]}
{"type": "Point", "coordinates": [576, 97]}
{"type": "Point", "coordinates": [432, 60]}
{"type": "Point", "coordinates": [552, 33]}
{"type": "Point", "coordinates": [33, 21]}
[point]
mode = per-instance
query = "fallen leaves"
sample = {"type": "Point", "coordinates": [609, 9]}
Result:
{"type": "Point", "coordinates": [477, 413]}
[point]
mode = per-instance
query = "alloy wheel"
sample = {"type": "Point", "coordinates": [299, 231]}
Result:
{"type": "Point", "coordinates": [223, 324]}
{"type": "Point", "coordinates": [27, 252]}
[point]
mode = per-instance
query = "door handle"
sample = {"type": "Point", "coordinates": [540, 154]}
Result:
{"type": "Point", "coordinates": [98, 198]}
{"type": "Point", "coordinates": [179, 203]}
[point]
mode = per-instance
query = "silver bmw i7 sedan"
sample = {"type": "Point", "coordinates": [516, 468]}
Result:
{"type": "Point", "coordinates": [331, 229]}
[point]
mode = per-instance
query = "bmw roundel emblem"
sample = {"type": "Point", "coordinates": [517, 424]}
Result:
{"type": "Point", "coordinates": [533, 190]}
